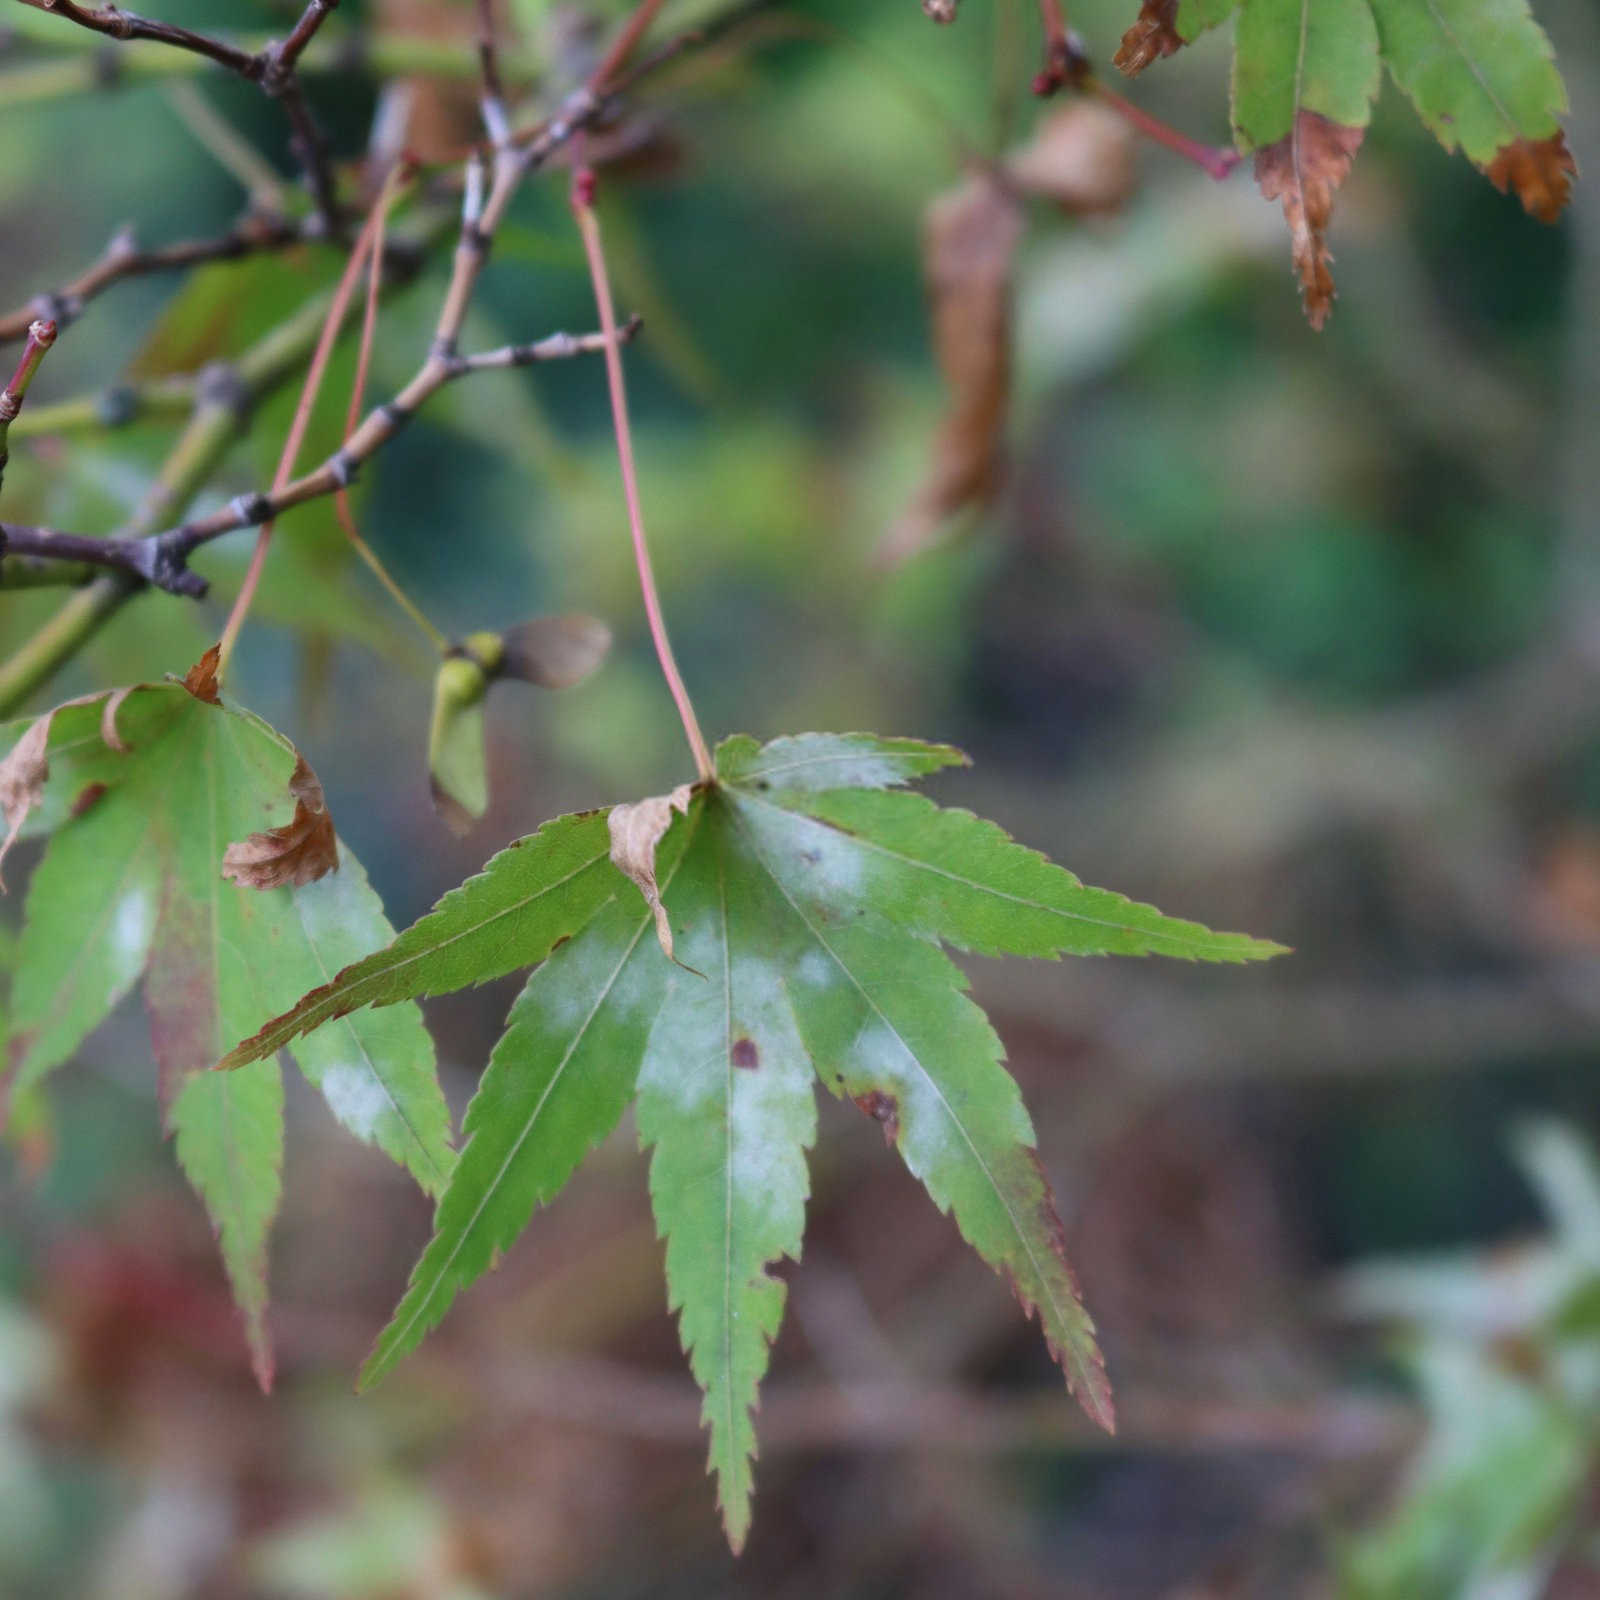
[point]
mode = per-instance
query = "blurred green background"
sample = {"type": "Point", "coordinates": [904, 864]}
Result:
{"type": "Point", "coordinates": [1292, 633]}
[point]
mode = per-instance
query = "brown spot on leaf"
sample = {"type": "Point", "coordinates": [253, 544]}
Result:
{"type": "Point", "coordinates": [1153, 36]}
{"type": "Point", "coordinates": [744, 1054]}
{"type": "Point", "coordinates": [201, 679]}
{"type": "Point", "coordinates": [969, 240]}
{"type": "Point", "coordinates": [1302, 170]}
{"type": "Point", "coordinates": [301, 851]}
{"type": "Point", "coordinates": [87, 796]}
{"type": "Point", "coordinates": [1539, 171]}
{"type": "Point", "coordinates": [884, 1109]}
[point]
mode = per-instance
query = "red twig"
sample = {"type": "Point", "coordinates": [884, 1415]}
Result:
{"type": "Point", "coordinates": [302, 417]}
{"type": "Point", "coordinates": [1216, 160]}
{"type": "Point", "coordinates": [623, 46]}
{"type": "Point", "coordinates": [41, 335]}
{"type": "Point", "coordinates": [589, 228]}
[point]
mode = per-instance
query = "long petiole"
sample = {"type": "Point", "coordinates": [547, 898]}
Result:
{"type": "Point", "coordinates": [589, 229]}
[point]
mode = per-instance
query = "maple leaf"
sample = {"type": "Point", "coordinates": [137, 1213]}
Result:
{"type": "Point", "coordinates": [808, 894]}
{"type": "Point", "coordinates": [165, 794]}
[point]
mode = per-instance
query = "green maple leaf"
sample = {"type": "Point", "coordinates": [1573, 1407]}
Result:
{"type": "Point", "coordinates": [1481, 74]}
{"type": "Point", "coordinates": [803, 897]}
{"type": "Point", "coordinates": [157, 791]}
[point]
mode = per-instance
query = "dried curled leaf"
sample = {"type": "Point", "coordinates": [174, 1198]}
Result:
{"type": "Point", "coordinates": [969, 242]}
{"type": "Point", "coordinates": [1303, 170]}
{"type": "Point", "coordinates": [636, 830]}
{"type": "Point", "coordinates": [201, 679]}
{"type": "Point", "coordinates": [301, 851]}
{"type": "Point", "coordinates": [22, 780]}
{"type": "Point", "coordinates": [551, 652]}
{"type": "Point", "coordinates": [1153, 36]}
{"type": "Point", "coordinates": [1539, 172]}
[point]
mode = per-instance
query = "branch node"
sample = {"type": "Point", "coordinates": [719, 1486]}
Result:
{"type": "Point", "coordinates": [344, 468]}
{"type": "Point", "coordinates": [251, 509]}
{"type": "Point", "coordinates": [221, 388]}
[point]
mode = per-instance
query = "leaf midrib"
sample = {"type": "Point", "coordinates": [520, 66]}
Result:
{"type": "Point", "coordinates": [380, 1366]}
{"type": "Point", "coordinates": [868, 843]}
{"type": "Point", "coordinates": [1060, 1319]}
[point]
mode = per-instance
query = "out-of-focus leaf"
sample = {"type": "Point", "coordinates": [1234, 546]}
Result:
{"type": "Point", "coordinates": [807, 904]}
{"type": "Point", "coordinates": [969, 241]}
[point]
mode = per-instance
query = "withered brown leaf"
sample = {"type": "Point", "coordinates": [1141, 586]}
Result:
{"type": "Point", "coordinates": [1539, 172]}
{"type": "Point", "coordinates": [1153, 35]}
{"type": "Point", "coordinates": [301, 851]}
{"type": "Point", "coordinates": [26, 769]}
{"type": "Point", "coordinates": [1302, 170]}
{"type": "Point", "coordinates": [201, 679]}
{"type": "Point", "coordinates": [636, 830]}
{"type": "Point", "coordinates": [969, 241]}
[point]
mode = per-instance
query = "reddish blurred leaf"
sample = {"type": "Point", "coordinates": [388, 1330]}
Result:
{"type": "Point", "coordinates": [969, 241]}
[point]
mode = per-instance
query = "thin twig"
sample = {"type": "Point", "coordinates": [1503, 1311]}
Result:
{"type": "Point", "coordinates": [122, 258]}
{"type": "Point", "coordinates": [1216, 160]}
{"type": "Point", "coordinates": [272, 68]}
{"type": "Point", "coordinates": [302, 420]}
{"type": "Point", "coordinates": [358, 394]}
{"type": "Point", "coordinates": [623, 46]}
{"type": "Point", "coordinates": [589, 228]}
{"type": "Point", "coordinates": [41, 335]}
{"type": "Point", "coordinates": [160, 559]}
{"type": "Point", "coordinates": [118, 24]}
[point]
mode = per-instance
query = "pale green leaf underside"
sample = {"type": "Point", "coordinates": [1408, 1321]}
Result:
{"type": "Point", "coordinates": [1302, 55]}
{"type": "Point", "coordinates": [1481, 73]}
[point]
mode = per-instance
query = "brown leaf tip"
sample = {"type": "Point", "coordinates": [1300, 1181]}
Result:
{"type": "Point", "coordinates": [1303, 169]}
{"type": "Point", "coordinates": [304, 849]}
{"type": "Point", "coordinates": [1539, 171]}
{"type": "Point", "coordinates": [201, 679]}
{"type": "Point", "coordinates": [1152, 37]}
